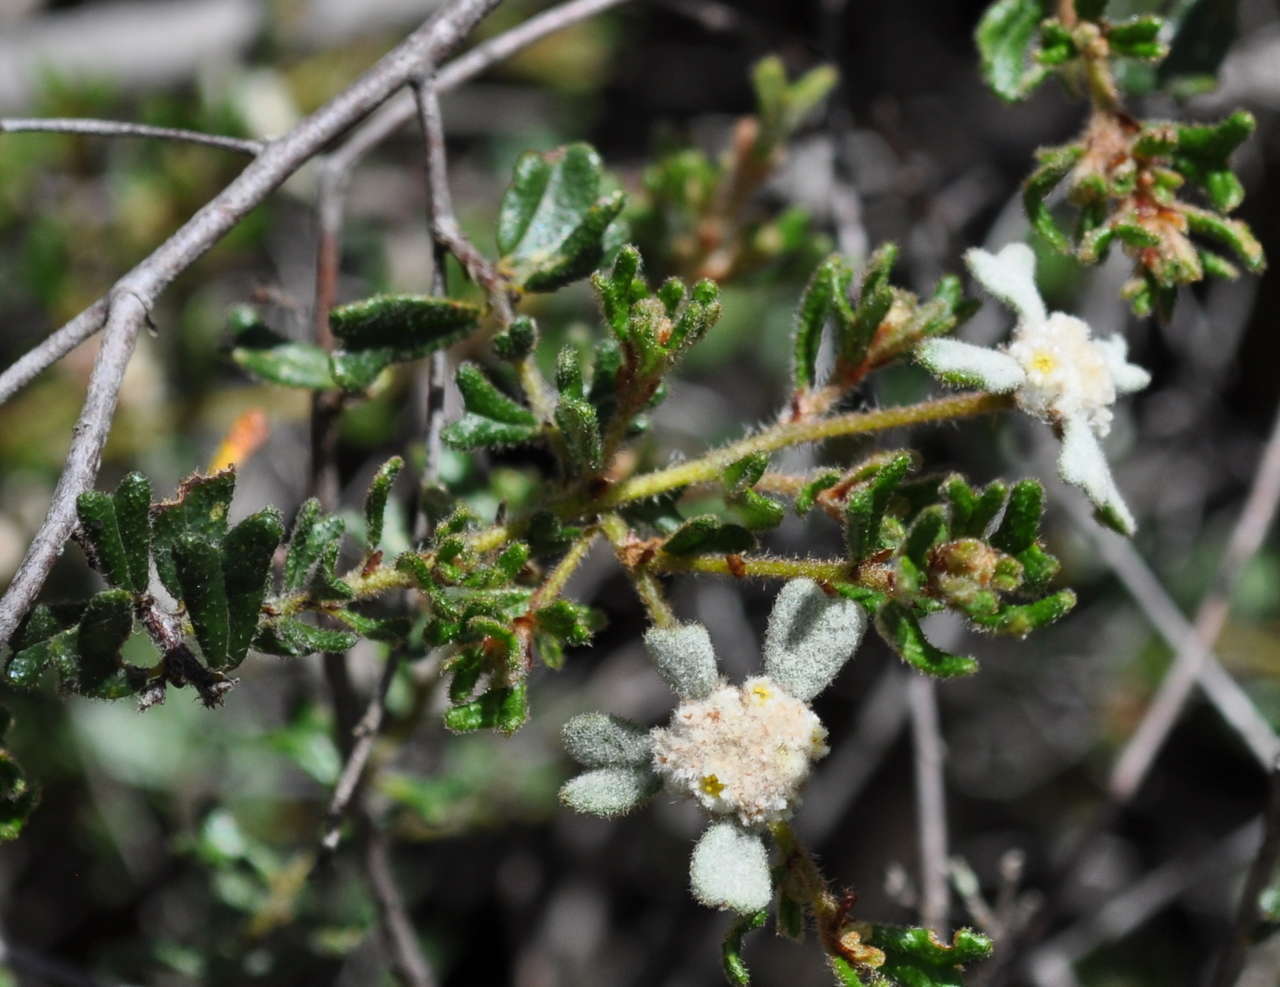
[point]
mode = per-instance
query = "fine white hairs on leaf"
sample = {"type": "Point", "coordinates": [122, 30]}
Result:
{"type": "Point", "coordinates": [609, 792]}
{"type": "Point", "coordinates": [730, 869]}
{"type": "Point", "coordinates": [965, 365]}
{"type": "Point", "coordinates": [685, 658]}
{"type": "Point", "coordinates": [597, 740]}
{"type": "Point", "coordinates": [1010, 276]}
{"type": "Point", "coordinates": [1082, 464]}
{"type": "Point", "coordinates": [810, 636]}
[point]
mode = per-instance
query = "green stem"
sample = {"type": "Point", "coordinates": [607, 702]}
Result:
{"type": "Point", "coordinates": [710, 466]}
{"type": "Point", "coordinates": [760, 566]}
{"type": "Point", "coordinates": [645, 582]}
{"type": "Point", "coordinates": [555, 582]}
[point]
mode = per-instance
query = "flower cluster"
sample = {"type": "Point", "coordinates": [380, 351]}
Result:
{"type": "Point", "coordinates": [742, 752]}
{"type": "Point", "coordinates": [1054, 369]}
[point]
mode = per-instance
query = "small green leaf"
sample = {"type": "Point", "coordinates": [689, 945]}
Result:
{"type": "Point", "coordinates": [708, 534]}
{"type": "Point", "coordinates": [927, 530]}
{"type": "Point", "coordinates": [474, 432]}
{"type": "Point", "coordinates": [246, 563]}
{"type": "Point", "coordinates": [97, 513]}
{"type": "Point", "coordinates": [505, 709]}
{"type": "Point", "coordinates": [1019, 621]}
{"type": "Point", "coordinates": [200, 508]}
{"type": "Point", "coordinates": [204, 592]}
{"type": "Point", "coordinates": [866, 506]}
{"type": "Point", "coordinates": [901, 631]}
{"type": "Point", "coordinates": [827, 287]}
{"type": "Point", "coordinates": [481, 397]}
{"type": "Point", "coordinates": [916, 957]}
{"type": "Point", "coordinates": [17, 798]}
{"type": "Point", "coordinates": [313, 534]}
{"type": "Point", "coordinates": [567, 621]}
{"type": "Point", "coordinates": [758, 512]}
{"type": "Point", "coordinates": [104, 628]}
{"type": "Point", "coordinates": [518, 340]}
{"type": "Point", "coordinates": [1021, 522]}
{"type": "Point", "coordinates": [553, 218]}
{"type": "Point", "coordinates": [808, 494]}
{"type": "Point", "coordinates": [1138, 37]}
{"type": "Point", "coordinates": [375, 501]}
{"type": "Point", "coordinates": [402, 322]}
{"type": "Point", "coordinates": [735, 967]}
{"type": "Point", "coordinates": [271, 357]}
{"type": "Point", "coordinates": [745, 473]}
{"type": "Point", "coordinates": [580, 428]}
{"type": "Point", "coordinates": [1055, 164]}
{"type": "Point", "coordinates": [856, 332]}
{"type": "Point", "coordinates": [1006, 35]}
{"type": "Point", "coordinates": [291, 638]}
{"type": "Point", "coordinates": [1233, 233]}
{"type": "Point", "coordinates": [133, 518]}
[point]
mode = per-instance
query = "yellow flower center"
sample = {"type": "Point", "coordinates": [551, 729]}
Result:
{"type": "Point", "coordinates": [761, 692]}
{"type": "Point", "coordinates": [712, 785]}
{"type": "Point", "coordinates": [1043, 362]}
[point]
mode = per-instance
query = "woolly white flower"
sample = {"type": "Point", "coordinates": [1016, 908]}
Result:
{"type": "Point", "coordinates": [1055, 370]}
{"type": "Point", "coordinates": [742, 752]}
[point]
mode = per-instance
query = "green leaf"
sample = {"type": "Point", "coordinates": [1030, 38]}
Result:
{"type": "Point", "coordinates": [402, 322]}
{"type": "Point", "coordinates": [901, 631]}
{"type": "Point", "coordinates": [200, 508]}
{"type": "Point", "coordinates": [916, 957]}
{"type": "Point", "coordinates": [745, 473]}
{"type": "Point", "coordinates": [97, 513]}
{"type": "Point", "coordinates": [866, 506]}
{"type": "Point", "coordinates": [927, 530]}
{"type": "Point", "coordinates": [552, 219]}
{"type": "Point", "coordinates": [204, 592]}
{"type": "Point", "coordinates": [1233, 233]}
{"type": "Point", "coordinates": [827, 290]}
{"type": "Point", "coordinates": [17, 798]}
{"type": "Point", "coordinates": [133, 518]}
{"type": "Point", "coordinates": [1055, 164]}
{"type": "Point", "coordinates": [735, 967]}
{"type": "Point", "coordinates": [1019, 621]}
{"type": "Point", "coordinates": [1006, 35]}
{"type": "Point", "coordinates": [580, 428]}
{"type": "Point", "coordinates": [567, 621]}
{"type": "Point", "coordinates": [246, 563]}
{"type": "Point", "coordinates": [875, 298]}
{"type": "Point", "coordinates": [312, 536]}
{"type": "Point", "coordinates": [375, 501]}
{"type": "Point", "coordinates": [708, 534]}
{"type": "Point", "coordinates": [757, 511]}
{"type": "Point", "coordinates": [389, 629]}
{"type": "Point", "coordinates": [271, 357]}
{"type": "Point", "coordinates": [518, 340]}
{"type": "Point", "coordinates": [808, 494]}
{"type": "Point", "coordinates": [481, 397]}
{"type": "Point", "coordinates": [504, 709]}
{"type": "Point", "coordinates": [291, 638]}
{"type": "Point", "coordinates": [1021, 522]}
{"type": "Point", "coordinates": [104, 628]}
{"type": "Point", "coordinates": [60, 651]}
{"type": "Point", "coordinates": [475, 432]}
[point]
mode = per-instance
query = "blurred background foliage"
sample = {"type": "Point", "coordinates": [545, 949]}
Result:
{"type": "Point", "coordinates": [178, 847]}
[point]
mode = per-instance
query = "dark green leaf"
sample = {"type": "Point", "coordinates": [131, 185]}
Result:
{"type": "Point", "coordinates": [504, 709]}
{"type": "Point", "coordinates": [707, 533]}
{"type": "Point", "coordinates": [402, 322]}
{"type": "Point", "coordinates": [375, 501]}
{"type": "Point", "coordinates": [916, 957]}
{"type": "Point", "coordinates": [312, 535]}
{"type": "Point", "coordinates": [901, 631]}
{"type": "Point", "coordinates": [246, 563]}
{"type": "Point", "coordinates": [200, 508]}
{"type": "Point", "coordinates": [552, 219]}
{"type": "Point", "coordinates": [866, 506]}
{"type": "Point", "coordinates": [1055, 164]}
{"type": "Point", "coordinates": [474, 432]}
{"type": "Point", "coordinates": [757, 511]}
{"type": "Point", "coordinates": [580, 428]}
{"type": "Point", "coordinates": [204, 591]}
{"type": "Point", "coordinates": [855, 332]}
{"type": "Point", "coordinates": [271, 357]}
{"type": "Point", "coordinates": [60, 651]}
{"type": "Point", "coordinates": [17, 798]}
{"type": "Point", "coordinates": [133, 518]}
{"type": "Point", "coordinates": [97, 513]}
{"type": "Point", "coordinates": [567, 621]}
{"type": "Point", "coordinates": [1019, 621]}
{"type": "Point", "coordinates": [1021, 522]}
{"type": "Point", "coordinates": [292, 638]}
{"type": "Point", "coordinates": [745, 473]}
{"type": "Point", "coordinates": [808, 494]}
{"type": "Point", "coordinates": [482, 398]}
{"type": "Point", "coordinates": [1006, 35]}
{"type": "Point", "coordinates": [518, 340]}
{"type": "Point", "coordinates": [106, 625]}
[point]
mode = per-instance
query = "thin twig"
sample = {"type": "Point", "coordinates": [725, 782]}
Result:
{"type": "Point", "coordinates": [1261, 873]}
{"type": "Point", "coordinates": [931, 804]}
{"type": "Point", "coordinates": [1193, 651]}
{"type": "Point", "coordinates": [377, 127]}
{"type": "Point", "coordinates": [121, 128]}
{"type": "Point", "coordinates": [408, 962]}
{"type": "Point", "coordinates": [134, 295]}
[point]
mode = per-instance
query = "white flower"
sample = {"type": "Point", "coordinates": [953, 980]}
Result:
{"type": "Point", "coordinates": [742, 752]}
{"type": "Point", "coordinates": [1055, 370]}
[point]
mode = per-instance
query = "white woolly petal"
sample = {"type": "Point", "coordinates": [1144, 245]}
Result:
{"type": "Point", "coordinates": [810, 637]}
{"type": "Point", "coordinates": [685, 658]}
{"type": "Point", "coordinates": [966, 365]}
{"type": "Point", "coordinates": [730, 869]}
{"type": "Point", "coordinates": [1010, 276]}
{"type": "Point", "coordinates": [609, 791]}
{"type": "Point", "coordinates": [1082, 464]}
{"type": "Point", "coordinates": [1128, 377]}
{"type": "Point", "coordinates": [595, 740]}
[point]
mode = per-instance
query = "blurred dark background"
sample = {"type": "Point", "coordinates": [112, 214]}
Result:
{"type": "Point", "coordinates": [175, 847]}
